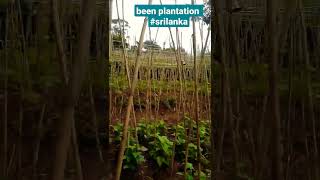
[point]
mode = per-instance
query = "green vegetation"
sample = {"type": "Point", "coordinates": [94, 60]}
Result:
{"type": "Point", "coordinates": [155, 143]}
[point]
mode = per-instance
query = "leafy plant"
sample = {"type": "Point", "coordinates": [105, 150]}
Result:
{"type": "Point", "coordinates": [190, 170]}
{"type": "Point", "coordinates": [133, 157]}
{"type": "Point", "coordinates": [180, 143]}
{"type": "Point", "coordinates": [169, 103]}
{"type": "Point", "coordinates": [191, 173]}
{"type": "Point", "coordinates": [204, 131]}
{"type": "Point", "coordinates": [117, 132]}
{"type": "Point", "coordinates": [144, 133]}
{"type": "Point", "coordinates": [154, 139]}
{"type": "Point", "coordinates": [161, 127]}
{"type": "Point", "coordinates": [147, 132]}
{"type": "Point", "coordinates": [161, 150]}
{"type": "Point", "coordinates": [202, 175]}
{"type": "Point", "coordinates": [192, 155]}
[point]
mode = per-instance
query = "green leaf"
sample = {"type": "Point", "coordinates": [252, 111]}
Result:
{"type": "Point", "coordinates": [189, 166]}
{"type": "Point", "coordinates": [203, 176]}
{"type": "Point", "coordinates": [159, 160]}
{"type": "Point", "coordinates": [189, 177]}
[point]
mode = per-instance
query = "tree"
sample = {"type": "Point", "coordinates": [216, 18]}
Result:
{"type": "Point", "coordinates": [151, 45]}
{"type": "Point", "coordinates": [116, 28]}
{"type": "Point", "coordinates": [219, 125]}
{"type": "Point", "coordinates": [120, 28]}
{"type": "Point", "coordinates": [73, 90]}
{"type": "Point", "coordinates": [273, 51]}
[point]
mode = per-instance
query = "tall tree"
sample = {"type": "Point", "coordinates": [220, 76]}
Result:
{"type": "Point", "coordinates": [60, 43]}
{"type": "Point", "coordinates": [273, 51]}
{"type": "Point", "coordinates": [308, 79]}
{"type": "Point", "coordinates": [220, 125]}
{"type": "Point", "coordinates": [73, 89]}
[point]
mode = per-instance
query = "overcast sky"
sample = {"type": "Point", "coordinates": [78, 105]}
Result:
{"type": "Point", "coordinates": [136, 23]}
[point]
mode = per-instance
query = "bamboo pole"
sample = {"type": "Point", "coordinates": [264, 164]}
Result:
{"type": "Point", "coordinates": [196, 109]}
{"type": "Point", "coordinates": [130, 101]}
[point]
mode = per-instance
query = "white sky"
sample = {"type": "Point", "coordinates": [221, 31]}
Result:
{"type": "Point", "coordinates": [136, 23]}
